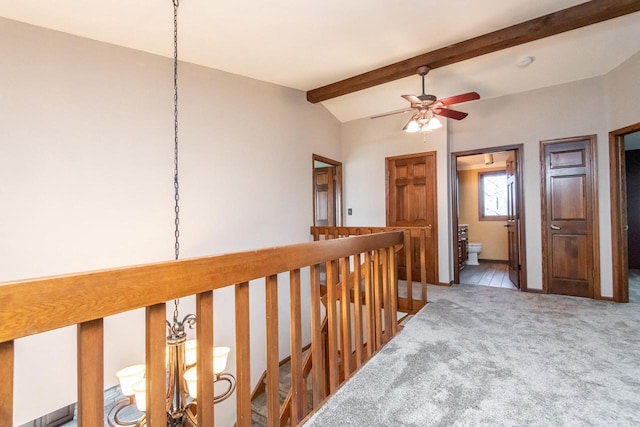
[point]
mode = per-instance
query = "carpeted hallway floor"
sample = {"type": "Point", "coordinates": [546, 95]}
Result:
{"type": "Point", "coordinates": [482, 356]}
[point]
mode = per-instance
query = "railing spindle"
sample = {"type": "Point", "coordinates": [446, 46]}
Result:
{"type": "Point", "coordinates": [423, 264]}
{"type": "Point", "coordinates": [297, 386]}
{"type": "Point", "coordinates": [204, 335]}
{"type": "Point", "coordinates": [345, 321]}
{"type": "Point", "coordinates": [91, 372]}
{"type": "Point", "coordinates": [243, 356]}
{"type": "Point", "coordinates": [332, 320]}
{"type": "Point", "coordinates": [357, 308]}
{"type": "Point", "coordinates": [408, 256]}
{"type": "Point", "coordinates": [393, 290]}
{"type": "Point", "coordinates": [155, 357]}
{"type": "Point", "coordinates": [368, 301]}
{"type": "Point", "coordinates": [273, 352]}
{"type": "Point", "coordinates": [317, 352]}
{"type": "Point", "coordinates": [377, 300]}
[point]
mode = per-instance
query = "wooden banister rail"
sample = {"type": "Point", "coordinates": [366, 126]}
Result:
{"type": "Point", "coordinates": [414, 250]}
{"type": "Point", "coordinates": [36, 306]}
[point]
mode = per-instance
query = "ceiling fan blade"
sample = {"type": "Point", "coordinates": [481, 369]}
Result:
{"type": "Point", "coordinates": [464, 97]}
{"type": "Point", "coordinates": [406, 110]}
{"type": "Point", "coordinates": [412, 99]}
{"type": "Point", "coordinates": [452, 114]}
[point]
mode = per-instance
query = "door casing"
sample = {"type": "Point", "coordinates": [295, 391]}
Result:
{"type": "Point", "coordinates": [518, 151]}
{"type": "Point", "coordinates": [618, 183]}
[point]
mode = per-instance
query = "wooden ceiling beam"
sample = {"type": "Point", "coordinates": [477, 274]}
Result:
{"type": "Point", "coordinates": [582, 15]}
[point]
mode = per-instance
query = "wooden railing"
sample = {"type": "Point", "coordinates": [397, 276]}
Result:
{"type": "Point", "coordinates": [85, 299]}
{"type": "Point", "coordinates": [414, 251]}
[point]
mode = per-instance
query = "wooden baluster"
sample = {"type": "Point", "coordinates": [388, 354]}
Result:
{"type": "Point", "coordinates": [90, 372]}
{"type": "Point", "coordinates": [6, 385]}
{"type": "Point", "coordinates": [386, 297]}
{"type": "Point", "coordinates": [155, 356]}
{"type": "Point", "coordinates": [273, 353]}
{"type": "Point", "coordinates": [317, 349]}
{"type": "Point", "coordinates": [332, 324]}
{"type": "Point", "coordinates": [357, 308]}
{"type": "Point", "coordinates": [393, 290]}
{"type": "Point", "coordinates": [297, 386]}
{"type": "Point", "coordinates": [368, 302]}
{"type": "Point", "coordinates": [423, 264]}
{"type": "Point", "coordinates": [316, 233]}
{"type": "Point", "coordinates": [345, 321]}
{"type": "Point", "coordinates": [408, 256]}
{"type": "Point", "coordinates": [243, 356]}
{"type": "Point", "coordinates": [377, 300]}
{"type": "Point", "coordinates": [204, 335]}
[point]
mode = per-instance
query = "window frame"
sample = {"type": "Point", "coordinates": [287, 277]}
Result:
{"type": "Point", "coordinates": [481, 215]}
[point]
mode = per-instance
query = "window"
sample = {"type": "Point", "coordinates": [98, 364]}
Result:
{"type": "Point", "coordinates": [492, 198]}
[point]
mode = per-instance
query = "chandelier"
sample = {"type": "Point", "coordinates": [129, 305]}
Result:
{"type": "Point", "coordinates": [181, 396]}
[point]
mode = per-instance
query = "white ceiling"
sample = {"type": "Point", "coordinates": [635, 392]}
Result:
{"type": "Point", "coordinates": [305, 44]}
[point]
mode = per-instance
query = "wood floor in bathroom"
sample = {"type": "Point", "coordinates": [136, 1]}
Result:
{"type": "Point", "coordinates": [486, 274]}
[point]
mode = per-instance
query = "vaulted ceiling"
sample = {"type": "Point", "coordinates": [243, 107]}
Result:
{"type": "Point", "coordinates": [306, 44]}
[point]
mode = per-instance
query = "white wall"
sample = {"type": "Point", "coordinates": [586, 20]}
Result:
{"type": "Point", "coordinates": [572, 109]}
{"type": "Point", "coordinates": [86, 166]}
{"type": "Point", "coordinates": [623, 93]}
{"type": "Point", "coordinates": [365, 145]}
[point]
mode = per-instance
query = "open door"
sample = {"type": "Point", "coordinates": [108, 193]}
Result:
{"type": "Point", "coordinates": [513, 220]}
{"type": "Point", "coordinates": [327, 192]}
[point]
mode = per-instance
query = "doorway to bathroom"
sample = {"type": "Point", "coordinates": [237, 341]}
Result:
{"type": "Point", "coordinates": [488, 217]}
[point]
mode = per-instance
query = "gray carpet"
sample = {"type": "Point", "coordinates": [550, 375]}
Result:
{"type": "Point", "coordinates": [482, 356]}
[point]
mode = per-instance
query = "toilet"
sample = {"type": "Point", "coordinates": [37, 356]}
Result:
{"type": "Point", "coordinates": [473, 250]}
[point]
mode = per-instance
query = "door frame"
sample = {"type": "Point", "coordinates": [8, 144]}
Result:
{"type": "Point", "coordinates": [618, 186]}
{"type": "Point", "coordinates": [338, 186]}
{"type": "Point", "coordinates": [519, 152]}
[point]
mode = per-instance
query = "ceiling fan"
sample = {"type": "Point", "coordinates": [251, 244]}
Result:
{"type": "Point", "coordinates": [425, 107]}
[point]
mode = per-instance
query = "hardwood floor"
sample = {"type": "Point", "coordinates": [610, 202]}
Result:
{"type": "Point", "coordinates": [486, 274]}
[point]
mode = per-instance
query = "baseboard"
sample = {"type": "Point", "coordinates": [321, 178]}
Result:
{"type": "Point", "coordinates": [601, 298]}
{"type": "Point", "coordinates": [533, 291]}
{"type": "Point", "coordinates": [444, 283]}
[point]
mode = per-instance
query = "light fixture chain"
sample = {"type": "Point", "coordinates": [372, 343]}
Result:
{"type": "Point", "coordinates": [176, 185]}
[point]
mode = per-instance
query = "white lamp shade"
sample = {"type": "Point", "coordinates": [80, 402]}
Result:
{"type": "Point", "coordinates": [140, 390]}
{"type": "Point", "coordinates": [220, 355]}
{"type": "Point", "coordinates": [191, 378]}
{"type": "Point", "coordinates": [190, 350]}
{"type": "Point", "coordinates": [412, 126]}
{"type": "Point", "coordinates": [433, 124]}
{"type": "Point", "coordinates": [128, 377]}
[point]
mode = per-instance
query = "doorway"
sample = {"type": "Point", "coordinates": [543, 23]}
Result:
{"type": "Point", "coordinates": [327, 192]}
{"type": "Point", "coordinates": [488, 215]}
{"type": "Point", "coordinates": [621, 141]}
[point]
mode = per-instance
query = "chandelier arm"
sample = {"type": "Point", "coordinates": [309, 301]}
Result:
{"type": "Point", "coordinates": [231, 380]}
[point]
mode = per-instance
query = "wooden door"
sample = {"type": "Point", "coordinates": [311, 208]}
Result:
{"type": "Point", "coordinates": [324, 196]}
{"type": "Point", "coordinates": [412, 202]}
{"type": "Point", "coordinates": [570, 250]}
{"type": "Point", "coordinates": [513, 220]}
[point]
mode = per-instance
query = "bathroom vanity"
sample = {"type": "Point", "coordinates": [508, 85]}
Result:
{"type": "Point", "coordinates": [463, 242]}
